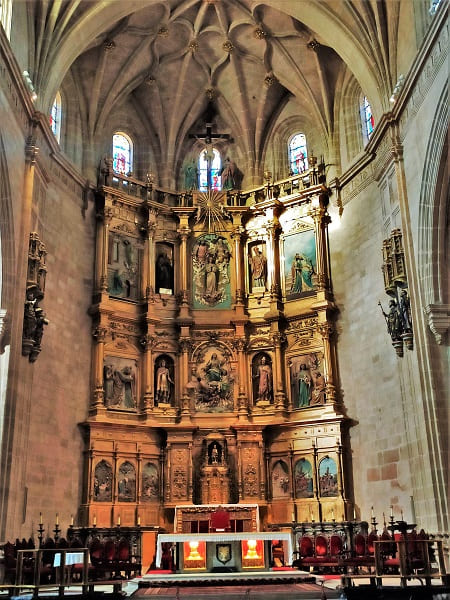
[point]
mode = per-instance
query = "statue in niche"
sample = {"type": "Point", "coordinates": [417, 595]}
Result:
{"type": "Point", "coordinates": [258, 266]}
{"type": "Point", "coordinates": [214, 454]}
{"type": "Point", "coordinates": [164, 270]}
{"type": "Point", "coordinates": [163, 382]}
{"type": "Point", "coordinates": [211, 281]}
{"type": "Point", "coordinates": [213, 386]}
{"type": "Point", "coordinates": [119, 383]}
{"type": "Point", "coordinates": [263, 376]}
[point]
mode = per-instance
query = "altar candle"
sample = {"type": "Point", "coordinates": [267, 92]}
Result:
{"type": "Point", "coordinates": [372, 513]}
{"type": "Point", "coordinates": [71, 520]}
{"type": "Point", "coordinates": [392, 510]}
{"type": "Point", "coordinates": [139, 520]}
{"type": "Point", "coordinates": [118, 520]}
{"type": "Point", "coordinates": [401, 515]}
{"type": "Point", "coordinates": [40, 518]}
{"type": "Point", "coordinates": [332, 514]}
{"type": "Point", "coordinates": [95, 520]}
{"type": "Point", "coordinates": [57, 519]}
{"type": "Point", "coordinates": [354, 513]}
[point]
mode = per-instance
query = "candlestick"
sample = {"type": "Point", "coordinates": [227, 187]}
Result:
{"type": "Point", "coordinates": [392, 510]}
{"type": "Point", "coordinates": [40, 518]}
{"type": "Point", "coordinates": [401, 515]}
{"type": "Point", "coordinates": [372, 514]}
{"type": "Point", "coordinates": [384, 520]}
{"type": "Point", "coordinates": [57, 519]}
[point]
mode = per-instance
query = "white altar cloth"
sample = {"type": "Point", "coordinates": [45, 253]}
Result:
{"type": "Point", "coordinates": [284, 536]}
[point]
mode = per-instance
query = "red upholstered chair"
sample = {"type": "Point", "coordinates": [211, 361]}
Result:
{"type": "Point", "coordinates": [96, 554]}
{"type": "Point", "coordinates": [321, 546]}
{"type": "Point", "coordinates": [220, 520]}
{"type": "Point", "coordinates": [306, 547]}
{"type": "Point", "coordinates": [336, 546]}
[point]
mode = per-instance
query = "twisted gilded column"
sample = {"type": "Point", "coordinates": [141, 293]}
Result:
{"type": "Point", "coordinates": [278, 383]}
{"type": "Point", "coordinates": [273, 259]}
{"type": "Point", "coordinates": [321, 221]}
{"type": "Point", "coordinates": [147, 342]}
{"type": "Point", "coordinates": [236, 235]}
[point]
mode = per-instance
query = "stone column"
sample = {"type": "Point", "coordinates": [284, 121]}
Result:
{"type": "Point", "coordinates": [185, 346]}
{"type": "Point", "coordinates": [184, 232]}
{"type": "Point", "coordinates": [236, 235]}
{"type": "Point", "coordinates": [240, 345]}
{"type": "Point", "coordinates": [149, 271]}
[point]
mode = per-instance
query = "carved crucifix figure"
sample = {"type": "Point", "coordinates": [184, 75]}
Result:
{"type": "Point", "coordinates": [207, 138]}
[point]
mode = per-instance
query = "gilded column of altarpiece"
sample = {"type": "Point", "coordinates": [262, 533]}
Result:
{"type": "Point", "coordinates": [214, 375]}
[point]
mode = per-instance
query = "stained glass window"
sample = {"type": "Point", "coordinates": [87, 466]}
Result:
{"type": "Point", "coordinates": [298, 154]}
{"type": "Point", "coordinates": [214, 167]}
{"type": "Point", "coordinates": [122, 153]}
{"type": "Point", "coordinates": [55, 117]}
{"type": "Point", "coordinates": [6, 15]}
{"type": "Point", "coordinates": [367, 119]}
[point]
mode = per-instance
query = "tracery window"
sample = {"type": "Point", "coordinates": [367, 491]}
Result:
{"type": "Point", "coordinates": [6, 15]}
{"type": "Point", "coordinates": [214, 168]}
{"type": "Point", "coordinates": [368, 122]}
{"type": "Point", "coordinates": [122, 153]}
{"type": "Point", "coordinates": [55, 117]}
{"type": "Point", "coordinates": [298, 154]}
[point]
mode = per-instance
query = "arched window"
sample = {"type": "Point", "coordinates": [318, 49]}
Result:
{"type": "Point", "coordinates": [298, 154]}
{"type": "Point", "coordinates": [5, 16]}
{"type": "Point", "coordinates": [122, 153]}
{"type": "Point", "coordinates": [367, 119]}
{"type": "Point", "coordinates": [209, 171]}
{"type": "Point", "coordinates": [55, 117]}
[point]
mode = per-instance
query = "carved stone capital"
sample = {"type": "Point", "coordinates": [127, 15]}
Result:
{"type": "Point", "coordinates": [184, 344]}
{"type": "Point", "coordinates": [438, 320]}
{"type": "Point", "coordinates": [147, 341]}
{"type": "Point", "coordinates": [239, 344]}
{"type": "Point", "coordinates": [278, 339]}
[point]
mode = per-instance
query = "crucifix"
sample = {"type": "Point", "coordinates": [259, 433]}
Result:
{"type": "Point", "coordinates": [208, 154]}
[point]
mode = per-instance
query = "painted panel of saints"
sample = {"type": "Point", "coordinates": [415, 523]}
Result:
{"type": "Point", "coordinates": [102, 488]}
{"type": "Point", "coordinates": [123, 267]}
{"type": "Point", "coordinates": [119, 383]}
{"type": "Point", "coordinates": [303, 479]}
{"type": "Point", "coordinates": [211, 272]}
{"type": "Point", "coordinates": [280, 480]}
{"type": "Point", "coordinates": [126, 482]}
{"type": "Point", "coordinates": [328, 486]}
{"type": "Point", "coordinates": [307, 380]}
{"type": "Point", "coordinates": [213, 386]}
{"type": "Point", "coordinates": [300, 267]}
{"type": "Point", "coordinates": [150, 483]}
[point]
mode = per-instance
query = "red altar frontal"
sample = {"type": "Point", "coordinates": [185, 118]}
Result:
{"type": "Point", "coordinates": [207, 518]}
{"type": "Point", "coordinates": [226, 550]}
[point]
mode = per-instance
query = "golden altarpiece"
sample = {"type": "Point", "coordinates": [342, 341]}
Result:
{"type": "Point", "coordinates": [214, 372]}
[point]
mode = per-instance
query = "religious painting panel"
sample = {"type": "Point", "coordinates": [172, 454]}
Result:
{"type": "Point", "coordinates": [262, 377]}
{"type": "Point", "coordinates": [150, 483]}
{"type": "Point", "coordinates": [120, 383]}
{"type": "Point", "coordinates": [328, 482]}
{"type": "Point", "coordinates": [211, 272]}
{"type": "Point", "coordinates": [303, 479]}
{"type": "Point", "coordinates": [123, 266]}
{"type": "Point", "coordinates": [164, 383]}
{"type": "Point", "coordinates": [257, 261]}
{"type": "Point", "coordinates": [214, 383]}
{"type": "Point", "coordinates": [252, 554]}
{"type": "Point", "coordinates": [300, 266]}
{"type": "Point", "coordinates": [164, 269]}
{"type": "Point", "coordinates": [194, 553]}
{"type": "Point", "coordinates": [307, 382]}
{"type": "Point", "coordinates": [280, 480]}
{"type": "Point", "coordinates": [126, 482]}
{"type": "Point", "coordinates": [102, 485]}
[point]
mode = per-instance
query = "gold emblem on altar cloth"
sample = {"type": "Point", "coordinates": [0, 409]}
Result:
{"type": "Point", "coordinates": [223, 553]}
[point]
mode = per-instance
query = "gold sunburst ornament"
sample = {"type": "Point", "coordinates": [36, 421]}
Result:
{"type": "Point", "coordinates": [211, 210]}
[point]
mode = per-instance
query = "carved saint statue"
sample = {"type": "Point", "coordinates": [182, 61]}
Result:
{"type": "Point", "coordinates": [163, 383]}
{"type": "Point", "coordinates": [264, 380]}
{"type": "Point", "coordinates": [258, 268]}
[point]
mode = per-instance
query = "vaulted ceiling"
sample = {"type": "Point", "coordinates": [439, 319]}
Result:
{"type": "Point", "coordinates": [172, 59]}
